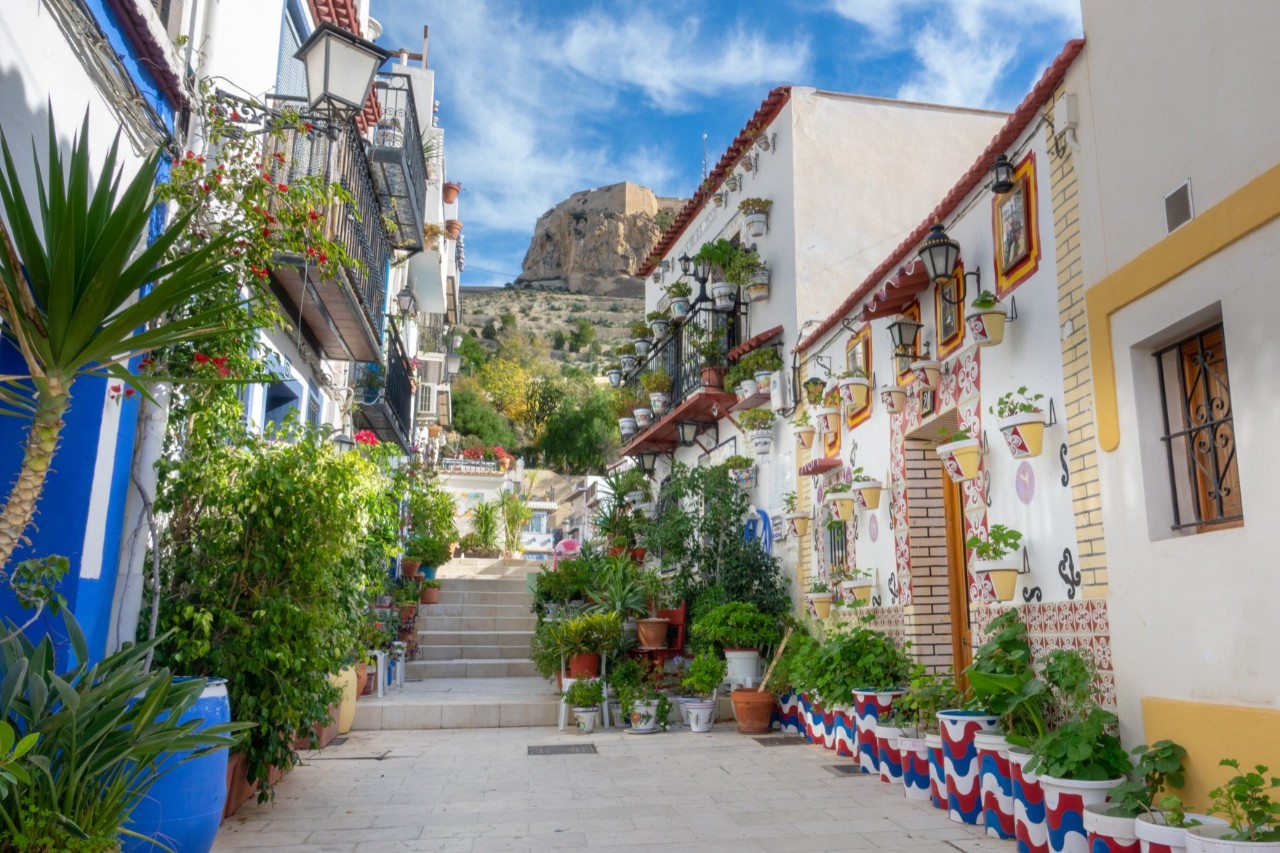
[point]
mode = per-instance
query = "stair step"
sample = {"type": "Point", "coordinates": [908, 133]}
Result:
{"type": "Point", "coordinates": [467, 622]}
{"type": "Point", "coordinates": [501, 611]}
{"type": "Point", "coordinates": [484, 584]}
{"type": "Point", "coordinates": [478, 668]}
{"type": "Point", "coordinates": [513, 639]}
{"type": "Point", "coordinates": [453, 703]}
{"type": "Point", "coordinates": [469, 597]}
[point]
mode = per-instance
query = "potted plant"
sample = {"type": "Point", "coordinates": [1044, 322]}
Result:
{"type": "Point", "coordinates": [742, 471]}
{"type": "Point", "coordinates": [961, 455]}
{"type": "Point", "coordinates": [758, 424]}
{"type": "Point", "coordinates": [1253, 817]}
{"type": "Point", "coordinates": [709, 344]}
{"type": "Point", "coordinates": [927, 371]}
{"type": "Point", "coordinates": [755, 215]}
{"type": "Point", "coordinates": [829, 412]}
{"type": "Point", "coordinates": [653, 629]}
{"type": "Point", "coordinates": [841, 500]}
{"type": "Point", "coordinates": [584, 696]}
{"type": "Point", "coordinates": [623, 401]}
{"type": "Point", "coordinates": [740, 630]}
{"type": "Point", "coordinates": [894, 398]}
{"type": "Point", "coordinates": [453, 228]}
{"type": "Point", "coordinates": [819, 595]}
{"type": "Point", "coordinates": [430, 592]}
{"type": "Point", "coordinates": [802, 426]}
{"type": "Point", "coordinates": [657, 383]}
{"type": "Point", "coordinates": [1114, 824]}
{"type": "Point", "coordinates": [640, 338]}
{"type": "Point", "coordinates": [797, 520]}
{"type": "Point", "coordinates": [866, 489]}
{"type": "Point", "coordinates": [720, 254]}
{"type": "Point", "coordinates": [858, 583]}
{"type": "Point", "coordinates": [659, 324]}
{"type": "Point", "coordinates": [986, 319]}
{"type": "Point", "coordinates": [855, 388]}
{"type": "Point", "coordinates": [647, 707]}
{"type": "Point", "coordinates": [740, 378]}
{"type": "Point", "coordinates": [1164, 828]}
{"type": "Point", "coordinates": [450, 191]}
{"type": "Point", "coordinates": [875, 671]}
{"type": "Point", "coordinates": [992, 558]}
{"type": "Point", "coordinates": [678, 293]}
{"type": "Point", "coordinates": [814, 388]}
{"type": "Point", "coordinates": [921, 744]}
{"type": "Point", "coordinates": [613, 371]}
{"type": "Point", "coordinates": [702, 676]}
{"type": "Point", "coordinates": [757, 285]}
{"type": "Point", "coordinates": [406, 594]}
{"type": "Point", "coordinates": [1022, 421]}
{"type": "Point", "coordinates": [626, 353]}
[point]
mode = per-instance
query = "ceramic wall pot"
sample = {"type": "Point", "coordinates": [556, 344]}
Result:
{"type": "Point", "coordinates": [1024, 433]}
{"type": "Point", "coordinates": [804, 436]}
{"type": "Point", "coordinates": [987, 325]}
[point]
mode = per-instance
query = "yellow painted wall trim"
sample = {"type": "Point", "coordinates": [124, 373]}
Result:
{"type": "Point", "coordinates": [1210, 732]}
{"type": "Point", "coordinates": [1244, 211]}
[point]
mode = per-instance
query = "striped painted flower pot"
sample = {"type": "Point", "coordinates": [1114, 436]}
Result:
{"type": "Point", "coordinates": [887, 754]}
{"type": "Point", "coordinates": [844, 731]}
{"type": "Point", "coordinates": [937, 776]}
{"type": "Point", "coordinates": [868, 707]}
{"type": "Point", "coordinates": [915, 766]}
{"type": "Point", "coordinates": [1064, 802]}
{"type": "Point", "coordinates": [1107, 834]}
{"type": "Point", "coordinates": [786, 714]}
{"type": "Point", "coordinates": [1028, 804]}
{"type": "Point", "coordinates": [960, 763]}
{"type": "Point", "coordinates": [1160, 838]}
{"type": "Point", "coordinates": [996, 784]}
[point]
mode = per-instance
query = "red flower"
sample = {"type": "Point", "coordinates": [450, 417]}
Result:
{"type": "Point", "coordinates": [221, 364]}
{"type": "Point", "coordinates": [235, 116]}
{"type": "Point", "coordinates": [324, 259]}
{"type": "Point", "coordinates": [279, 156]}
{"type": "Point", "coordinates": [266, 232]}
{"type": "Point", "coordinates": [284, 188]}
{"type": "Point", "coordinates": [312, 215]}
{"type": "Point", "coordinates": [129, 392]}
{"type": "Point", "coordinates": [146, 363]}
{"type": "Point", "coordinates": [308, 126]}
{"type": "Point", "coordinates": [262, 273]}
{"type": "Point", "coordinates": [205, 188]}
{"type": "Point", "coordinates": [311, 252]}
{"type": "Point", "coordinates": [200, 358]}
{"type": "Point", "coordinates": [191, 155]}
{"type": "Point", "coordinates": [366, 436]}
{"type": "Point", "coordinates": [266, 177]}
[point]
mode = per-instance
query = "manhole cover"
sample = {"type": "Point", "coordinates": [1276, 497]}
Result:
{"type": "Point", "coordinates": [338, 741]}
{"type": "Point", "coordinates": [779, 741]}
{"type": "Point", "coordinates": [564, 749]}
{"type": "Point", "coordinates": [845, 769]}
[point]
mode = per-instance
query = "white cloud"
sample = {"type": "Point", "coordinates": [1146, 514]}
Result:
{"type": "Point", "coordinates": [963, 47]}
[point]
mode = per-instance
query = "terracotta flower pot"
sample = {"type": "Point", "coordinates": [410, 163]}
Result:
{"type": "Point", "coordinates": [586, 665]}
{"type": "Point", "coordinates": [408, 612]}
{"type": "Point", "coordinates": [453, 228]}
{"type": "Point", "coordinates": [450, 192]}
{"type": "Point", "coordinates": [653, 633]}
{"type": "Point", "coordinates": [712, 376]}
{"type": "Point", "coordinates": [754, 710]}
{"type": "Point", "coordinates": [430, 595]}
{"type": "Point", "coordinates": [409, 568]}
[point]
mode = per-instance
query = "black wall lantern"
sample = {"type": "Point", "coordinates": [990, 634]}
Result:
{"type": "Point", "coordinates": [903, 332]}
{"type": "Point", "coordinates": [648, 461]}
{"type": "Point", "coordinates": [340, 68]}
{"type": "Point", "coordinates": [1001, 175]}
{"type": "Point", "coordinates": [940, 254]}
{"type": "Point", "coordinates": [688, 433]}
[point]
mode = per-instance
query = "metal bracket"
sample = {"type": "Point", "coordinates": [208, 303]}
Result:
{"type": "Point", "coordinates": [1026, 562]}
{"type": "Point", "coordinates": [986, 488]}
{"type": "Point", "coordinates": [1013, 310]}
{"type": "Point", "coordinates": [853, 452]}
{"type": "Point", "coordinates": [1053, 414]}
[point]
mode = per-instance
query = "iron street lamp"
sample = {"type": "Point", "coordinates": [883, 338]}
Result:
{"type": "Point", "coordinates": [340, 67]}
{"type": "Point", "coordinates": [686, 264]}
{"type": "Point", "coordinates": [903, 332]}
{"type": "Point", "coordinates": [344, 442]}
{"type": "Point", "coordinates": [453, 363]}
{"type": "Point", "coordinates": [648, 462]}
{"type": "Point", "coordinates": [688, 432]}
{"type": "Point", "coordinates": [1001, 175]}
{"type": "Point", "coordinates": [939, 253]}
{"type": "Point", "coordinates": [406, 301]}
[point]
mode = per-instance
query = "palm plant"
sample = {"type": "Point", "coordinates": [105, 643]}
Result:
{"type": "Point", "coordinates": [515, 515]}
{"type": "Point", "coordinates": [74, 298]}
{"type": "Point", "coordinates": [484, 523]}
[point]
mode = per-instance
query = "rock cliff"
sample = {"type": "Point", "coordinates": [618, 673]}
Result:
{"type": "Point", "coordinates": [593, 241]}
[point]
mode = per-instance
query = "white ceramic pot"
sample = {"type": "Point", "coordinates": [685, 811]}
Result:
{"type": "Point", "coordinates": [757, 224]}
{"type": "Point", "coordinates": [723, 295]}
{"type": "Point", "coordinates": [680, 702]}
{"type": "Point", "coordinates": [628, 426]}
{"type": "Point", "coordinates": [915, 766]}
{"type": "Point", "coordinates": [629, 362]}
{"type": "Point", "coordinates": [762, 441]}
{"type": "Point", "coordinates": [764, 380]}
{"type": "Point", "coordinates": [1066, 797]}
{"type": "Point", "coordinates": [821, 603]}
{"type": "Point", "coordinates": [659, 328]}
{"type": "Point", "coordinates": [658, 401]}
{"type": "Point", "coordinates": [702, 716]}
{"type": "Point", "coordinates": [829, 417]}
{"type": "Point", "coordinates": [679, 307]}
{"type": "Point", "coordinates": [644, 715]}
{"type": "Point", "coordinates": [742, 666]}
{"type": "Point", "coordinates": [1208, 839]}
{"type": "Point", "coordinates": [585, 719]}
{"type": "Point", "coordinates": [859, 589]}
{"type": "Point", "coordinates": [1162, 838]}
{"type": "Point", "coordinates": [961, 459]}
{"type": "Point", "coordinates": [644, 417]}
{"type": "Point", "coordinates": [643, 345]}
{"type": "Point", "coordinates": [855, 390]}
{"type": "Point", "coordinates": [615, 376]}
{"type": "Point", "coordinates": [867, 493]}
{"type": "Point", "coordinates": [888, 755]}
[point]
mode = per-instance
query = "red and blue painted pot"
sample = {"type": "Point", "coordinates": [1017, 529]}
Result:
{"type": "Point", "coordinates": [1107, 834]}
{"type": "Point", "coordinates": [1028, 804]}
{"type": "Point", "coordinates": [815, 723]}
{"type": "Point", "coordinates": [844, 731]}
{"type": "Point", "coordinates": [786, 713]}
{"type": "Point", "coordinates": [915, 766]}
{"type": "Point", "coordinates": [806, 724]}
{"type": "Point", "coordinates": [829, 728]}
{"type": "Point", "coordinates": [960, 762]}
{"type": "Point", "coordinates": [868, 707]}
{"type": "Point", "coordinates": [1161, 838]}
{"type": "Point", "coordinates": [887, 754]}
{"type": "Point", "coordinates": [937, 773]}
{"type": "Point", "coordinates": [996, 784]}
{"type": "Point", "coordinates": [1064, 802]}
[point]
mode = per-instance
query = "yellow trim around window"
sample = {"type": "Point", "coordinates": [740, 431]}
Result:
{"type": "Point", "coordinates": [1239, 214]}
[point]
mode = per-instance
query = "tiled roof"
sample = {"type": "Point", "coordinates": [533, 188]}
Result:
{"type": "Point", "coordinates": [753, 342]}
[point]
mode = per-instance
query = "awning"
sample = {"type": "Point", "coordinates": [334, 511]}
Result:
{"type": "Point", "coordinates": [907, 283]}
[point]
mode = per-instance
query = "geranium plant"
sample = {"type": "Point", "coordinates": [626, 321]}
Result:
{"type": "Point", "coordinates": [1246, 804]}
{"type": "Point", "coordinates": [1017, 402]}
{"type": "Point", "coordinates": [1001, 541]}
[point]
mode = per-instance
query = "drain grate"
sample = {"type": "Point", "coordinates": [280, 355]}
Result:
{"type": "Point", "coordinates": [338, 741]}
{"type": "Point", "coordinates": [564, 749]}
{"type": "Point", "coordinates": [780, 741]}
{"type": "Point", "coordinates": [845, 769]}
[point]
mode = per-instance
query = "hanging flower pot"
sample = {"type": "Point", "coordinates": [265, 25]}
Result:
{"type": "Point", "coordinates": [855, 390]}
{"type": "Point", "coordinates": [644, 417]}
{"type": "Point", "coordinates": [821, 603]}
{"type": "Point", "coordinates": [453, 228]}
{"type": "Point", "coordinates": [961, 458]}
{"type": "Point", "coordinates": [829, 417]}
{"type": "Point", "coordinates": [762, 441]}
{"type": "Point", "coordinates": [1002, 573]}
{"type": "Point", "coordinates": [799, 522]}
{"type": "Point", "coordinates": [764, 380]}
{"type": "Point", "coordinates": [450, 192]}
{"type": "Point", "coordinates": [758, 287]}
{"type": "Point", "coordinates": [1024, 433]}
{"type": "Point", "coordinates": [746, 388]}
{"type": "Point", "coordinates": [927, 372]}
{"type": "Point", "coordinates": [757, 224]}
{"type": "Point", "coordinates": [679, 308]}
{"type": "Point", "coordinates": [858, 589]}
{"type": "Point", "coordinates": [867, 493]}
{"type": "Point", "coordinates": [842, 504]}
{"type": "Point", "coordinates": [643, 345]}
{"type": "Point", "coordinates": [723, 296]}
{"type": "Point", "coordinates": [658, 401]}
{"type": "Point", "coordinates": [615, 376]}
{"type": "Point", "coordinates": [660, 328]}
{"type": "Point", "coordinates": [894, 398]}
{"type": "Point", "coordinates": [804, 436]}
{"type": "Point", "coordinates": [813, 388]}
{"type": "Point", "coordinates": [629, 362]}
{"type": "Point", "coordinates": [986, 325]}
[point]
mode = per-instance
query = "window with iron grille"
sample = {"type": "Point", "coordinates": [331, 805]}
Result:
{"type": "Point", "coordinates": [837, 550]}
{"type": "Point", "coordinates": [1199, 434]}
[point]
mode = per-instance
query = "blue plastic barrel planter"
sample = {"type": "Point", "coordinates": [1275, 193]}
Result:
{"type": "Point", "coordinates": [429, 572]}
{"type": "Point", "coordinates": [183, 810]}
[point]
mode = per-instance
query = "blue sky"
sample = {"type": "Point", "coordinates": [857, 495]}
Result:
{"type": "Point", "coordinates": [542, 98]}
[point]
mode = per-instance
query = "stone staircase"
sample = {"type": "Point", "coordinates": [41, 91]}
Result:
{"type": "Point", "coordinates": [472, 667]}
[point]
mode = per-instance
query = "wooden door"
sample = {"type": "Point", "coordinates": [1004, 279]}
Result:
{"type": "Point", "coordinates": [958, 577]}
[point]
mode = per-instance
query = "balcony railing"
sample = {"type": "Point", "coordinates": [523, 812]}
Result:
{"type": "Point", "coordinates": [385, 394]}
{"type": "Point", "coordinates": [345, 319]}
{"type": "Point", "coordinates": [462, 465]}
{"type": "Point", "coordinates": [399, 165]}
{"type": "Point", "coordinates": [431, 338]}
{"type": "Point", "coordinates": [677, 355]}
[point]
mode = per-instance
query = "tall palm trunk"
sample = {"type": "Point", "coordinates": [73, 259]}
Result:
{"type": "Point", "coordinates": [42, 442]}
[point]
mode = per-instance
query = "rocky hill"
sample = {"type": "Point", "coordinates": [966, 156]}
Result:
{"type": "Point", "coordinates": [595, 240]}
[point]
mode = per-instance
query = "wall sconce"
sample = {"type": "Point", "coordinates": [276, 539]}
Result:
{"type": "Point", "coordinates": [688, 431]}
{"type": "Point", "coordinates": [1001, 175]}
{"type": "Point", "coordinates": [939, 253]}
{"type": "Point", "coordinates": [903, 332]}
{"type": "Point", "coordinates": [340, 67]}
{"type": "Point", "coordinates": [344, 442]}
{"type": "Point", "coordinates": [648, 460]}
{"type": "Point", "coordinates": [453, 363]}
{"type": "Point", "coordinates": [406, 301]}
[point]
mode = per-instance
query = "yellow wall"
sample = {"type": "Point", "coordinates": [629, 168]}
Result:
{"type": "Point", "coordinates": [1211, 732]}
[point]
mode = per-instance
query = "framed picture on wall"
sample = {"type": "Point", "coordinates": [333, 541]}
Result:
{"type": "Point", "coordinates": [1014, 243]}
{"type": "Point", "coordinates": [1015, 229]}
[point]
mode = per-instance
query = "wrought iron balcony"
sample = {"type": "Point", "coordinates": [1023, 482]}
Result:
{"type": "Point", "coordinates": [399, 165]}
{"type": "Point", "coordinates": [384, 394]}
{"type": "Point", "coordinates": [431, 337]}
{"type": "Point", "coordinates": [343, 319]}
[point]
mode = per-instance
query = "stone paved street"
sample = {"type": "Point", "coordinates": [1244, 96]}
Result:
{"type": "Point", "coordinates": [478, 790]}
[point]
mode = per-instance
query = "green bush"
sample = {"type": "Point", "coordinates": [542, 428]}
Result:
{"type": "Point", "coordinates": [736, 625]}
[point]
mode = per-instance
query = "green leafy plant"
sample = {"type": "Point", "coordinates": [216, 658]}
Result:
{"type": "Point", "coordinates": [678, 290]}
{"type": "Point", "coordinates": [1001, 541]}
{"type": "Point", "coordinates": [755, 205]}
{"type": "Point", "coordinates": [484, 524]}
{"type": "Point", "coordinates": [840, 488]}
{"type": "Point", "coordinates": [585, 693]}
{"type": "Point", "coordinates": [640, 330]}
{"type": "Point", "coordinates": [1081, 749]}
{"type": "Point", "coordinates": [704, 673]}
{"type": "Point", "coordinates": [946, 436]}
{"type": "Point", "coordinates": [855, 657]}
{"type": "Point", "coordinates": [927, 694]}
{"type": "Point", "coordinates": [656, 381]}
{"type": "Point", "coordinates": [1246, 804]}
{"type": "Point", "coordinates": [94, 738]}
{"type": "Point", "coordinates": [619, 589]}
{"type": "Point", "coordinates": [819, 585]}
{"type": "Point", "coordinates": [658, 317]}
{"type": "Point", "coordinates": [857, 475]}
{"type": "Point", "coordinates": [737, 462]}
{"type": "Point", "coordinates": [1004, 681]}
{"type": "Point", "coordinates": [708, 343]}
{"type": "Point", "coordinates": [1015, 403]}
{"type": "Point", "coordinates": [802, 418]}
{"type": "Point", "coordinates": [589, 633]}
{"type": "Point", "coordinates": [736, 625]}
{"type": "Point", "coordinates": [789, 502]}
{"type": "Point", "coordinates": [985, 299]}
{"type": "Point", "coordinates": [760, 418]}
{"type": "Point", "coordinates": [1156, 767]}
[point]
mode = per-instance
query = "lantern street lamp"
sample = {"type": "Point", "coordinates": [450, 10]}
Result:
{"type": "Point", "coordinates": [340, 67]}
{"type": "Point", "coordinates": [903, 332]}
{"type": "Point", "coordinates": [406, 301]}
{"type": "Point", "coordinates": [648, 462]}
{"type": "Point", "coordinates": [1001, 175]}
{"type": "Point", "coordinates": [688, 432]}
{"type": "Point", "coordinates": [939, 253]}
{"type": "Point", "coordinates": [686, 264]}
